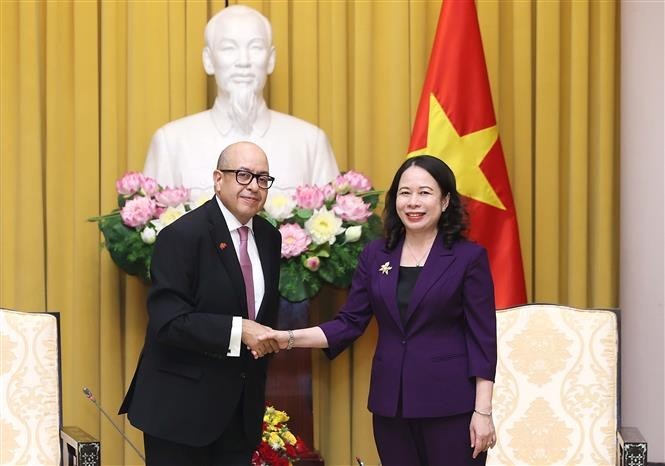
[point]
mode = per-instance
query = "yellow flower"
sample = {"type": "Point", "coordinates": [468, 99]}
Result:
{"type": "Point", "coordinates": [324, 226]}
{"type": "Point", "coordinates": [267, 416]}
{"type": "Point", "coordinates": [289, 437]}
{"type": "Point", "coordinates": [280, 416]}
{"type": "Point", "coordinates": [275, 441]}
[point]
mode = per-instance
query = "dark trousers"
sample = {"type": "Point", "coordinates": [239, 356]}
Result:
{"type": "Point", "coordinates": [441, 441]}
{"type": "Point", "coordinates": [231, 449]}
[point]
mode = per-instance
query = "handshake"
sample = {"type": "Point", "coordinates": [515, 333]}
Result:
{"type": "Point", "coordinates": [262, 340]}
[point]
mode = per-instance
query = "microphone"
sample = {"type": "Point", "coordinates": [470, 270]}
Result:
{"type": "Point", "coordinates": [90, 396]}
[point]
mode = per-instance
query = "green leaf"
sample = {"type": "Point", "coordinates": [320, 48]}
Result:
{"type": "Point", "coordinates": [321, 250]}
{"type": "Point", "coordinates": [339, 268]}
{"type": "Point", "coordinates": [373, 228]}
{"type": "Point", "coordinates": [297, 283]}
{"type": "Point", "coordinates": [371, 197]}
{"type": "Point", "coordinates": [115, 213]}
{"type": "Point", "coordinates": [304, 213]}
{"type": "Point", "coordinates": [126, 247]}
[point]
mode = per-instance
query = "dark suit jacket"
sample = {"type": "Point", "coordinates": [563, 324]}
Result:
{"type": "Point", "coordinates": [450, 332]}
{"type": "Point", "coordinates": [185, 387]}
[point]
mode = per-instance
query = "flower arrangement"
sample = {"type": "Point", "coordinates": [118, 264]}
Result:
{"type": "Point", "coordinates": [144, 208]}
{"type": "Point", "coordinates": [278, 447]}
{"type": "Point", "coordinates": [324, 229]}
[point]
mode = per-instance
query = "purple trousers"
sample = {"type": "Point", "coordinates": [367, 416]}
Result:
{"type": "Point", "coordinates": [441, 441]}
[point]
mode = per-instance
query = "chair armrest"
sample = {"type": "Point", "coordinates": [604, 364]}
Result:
{"type": "Point", "coordinates": [631, 447]}
{"type": "Point", "coordinates": [79, 448]}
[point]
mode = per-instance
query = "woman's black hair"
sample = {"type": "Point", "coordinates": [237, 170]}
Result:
{"type": "Point", "coordinates": [453, 222]}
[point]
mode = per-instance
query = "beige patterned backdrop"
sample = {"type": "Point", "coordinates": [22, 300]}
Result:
{"type": "Point", "coordinates": [555, 398]}
{"type": "Point", "coordinates": [29, 405]}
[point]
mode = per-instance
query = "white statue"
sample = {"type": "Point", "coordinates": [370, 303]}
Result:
{"type": "Point", "coordinates": [239, 53]}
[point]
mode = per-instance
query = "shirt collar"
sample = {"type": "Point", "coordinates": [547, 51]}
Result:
{"type": "Point", "coordinates": [231, 221]}
{"type": "Point", "coordinates": [224, 125]}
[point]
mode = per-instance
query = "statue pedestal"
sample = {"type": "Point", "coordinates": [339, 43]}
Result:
{"type": "Point", "coordinates": [289, 384]}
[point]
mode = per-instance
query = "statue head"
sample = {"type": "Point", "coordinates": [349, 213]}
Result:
{"type": "Point", "coordinates": [239, 53]}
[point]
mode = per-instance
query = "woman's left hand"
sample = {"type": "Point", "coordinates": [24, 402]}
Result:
{"type": "Point", "coordinates": [483, 435]}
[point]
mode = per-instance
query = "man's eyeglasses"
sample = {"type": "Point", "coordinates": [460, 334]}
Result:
{"type": "Point", "coordinates": [245, 177]}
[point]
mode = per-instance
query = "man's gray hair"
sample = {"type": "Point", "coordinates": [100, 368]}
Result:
{"type": "Point", "coordinates": [231, 11]}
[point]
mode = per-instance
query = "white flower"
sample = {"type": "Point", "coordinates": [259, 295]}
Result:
{"type": "Point", "coordinates": [169, 216]}
{"type": "Point", "coordinates": [323, 226]}
{"type": "Point", "coordinates": [352, 234]}
{"type": "Point", "coordinates": [280, 206]}
{"type": "Point", "coordinates": [385, 268]}
{"type": "Point", "coordinates": [148, 235]}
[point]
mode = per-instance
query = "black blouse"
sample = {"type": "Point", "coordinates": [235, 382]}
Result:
{"type": "Point", "coordinates": [405, 283]}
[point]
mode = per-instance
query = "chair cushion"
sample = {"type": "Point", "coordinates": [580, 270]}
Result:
{"type": "Point", "coordinates": [29, 389]}
{"type": "Point", "coordinates": [555, 396]}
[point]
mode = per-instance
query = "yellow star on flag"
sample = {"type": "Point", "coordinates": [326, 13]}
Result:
{"type": "Point", "coordinates": [463, 154]}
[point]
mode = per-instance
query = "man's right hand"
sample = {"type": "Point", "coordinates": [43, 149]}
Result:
{"type": "Point", "coordinates": [251, 331]}
{"type": "Point", "coordinates": [280, 337]}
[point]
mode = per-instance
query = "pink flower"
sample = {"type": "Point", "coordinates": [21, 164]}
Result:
{"type": "Point", "coordinates": [172, 197]}
{"type": "Point", "coordinates": [352, 182]}
{"type": "Point", "coordinates": [313, 263]}
{"type": "Point", "coordinates": [351, 208]}
{"type": "Point", "coordinates": [149, 186]}
{"type": "Point", "coordinates": [294, 240]}
{"type": "Point", "coordinates": [137, 212]}
{"type": "Point", "coordinates": [129, 184]}
{"type": "Point", "coordinates": [329, 192]}
{"type": "Point", "coordinates": [358, 182]}
{"type": "Point", "coordinates": [340, 185]}
{"type": "Point", "coordinates": [309, 197]}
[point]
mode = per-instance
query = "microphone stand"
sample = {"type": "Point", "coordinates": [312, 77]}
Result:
{"type": "Point", "coordinates": [90, 396]}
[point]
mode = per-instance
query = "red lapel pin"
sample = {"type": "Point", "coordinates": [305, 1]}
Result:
{"type": "Point", "coordinates": [222, 246]}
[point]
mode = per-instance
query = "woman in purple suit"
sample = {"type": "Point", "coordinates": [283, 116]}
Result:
{"type": "Point", "coordinates": [431, 292]}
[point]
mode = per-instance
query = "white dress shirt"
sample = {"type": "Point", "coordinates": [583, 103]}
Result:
{"type": "Point", "coordinates": [257, 273]}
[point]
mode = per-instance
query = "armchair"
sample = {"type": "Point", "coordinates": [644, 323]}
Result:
{"type": "Point", "coordinates": [556, 396]}
{"type": "Point", "coordinates": [30, 402]}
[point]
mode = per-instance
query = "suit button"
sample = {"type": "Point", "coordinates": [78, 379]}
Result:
{"type": "Point", "coordinates": [242, 375]}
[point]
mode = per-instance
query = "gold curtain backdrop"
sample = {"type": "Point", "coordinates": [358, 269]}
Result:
{"type": "Point", "coordinates": [85, 84]}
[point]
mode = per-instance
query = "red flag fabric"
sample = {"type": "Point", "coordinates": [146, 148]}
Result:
{"type": "Point", "coordinates": [455, 122]}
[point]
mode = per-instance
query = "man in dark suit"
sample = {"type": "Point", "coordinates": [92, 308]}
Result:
{"type": "Point", "coordinates": [198, 394]}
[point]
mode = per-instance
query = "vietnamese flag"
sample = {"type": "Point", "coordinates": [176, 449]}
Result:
{"type": "Point", "coordinates": [455, 122]}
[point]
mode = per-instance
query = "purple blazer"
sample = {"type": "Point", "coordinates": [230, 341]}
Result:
{"type": "Point", "coordinates": [449, 337]}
